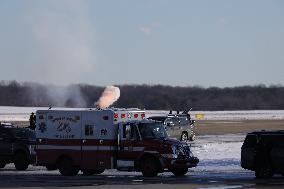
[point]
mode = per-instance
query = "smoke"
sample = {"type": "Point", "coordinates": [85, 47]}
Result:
{"type": "Point", "coordinates": [56, 96]}
{"type": "Point", "coordinates": [63, 41]}
{"type": "Point", "coordinates": [108, 97]}
{"type": "Point", "coordinates": [69, 96]}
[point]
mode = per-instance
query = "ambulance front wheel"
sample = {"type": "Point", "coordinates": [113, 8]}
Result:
{"type": "Point", "coordinates": [179, 171]}
{"type": "Point", "coordinates": [66, 167]}
{"type": "Point", "coordinates": [149, 167]}
{"type": "Point", "coordinates": [89, 172]}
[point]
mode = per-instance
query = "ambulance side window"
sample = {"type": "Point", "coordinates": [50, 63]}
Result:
{"type": "Point", "coordinates": [126, 131]}
{"type": "Point", "coordinates": [89, 130]}
{"type": "Point", "coordinates": [130, 131]}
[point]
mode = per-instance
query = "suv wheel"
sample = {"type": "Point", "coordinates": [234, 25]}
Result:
{"type": "Point", "coordinates": [21, 161]}
{"type": "Point", "coordinates": [192, 137]}
{"type": "Point", "coordinates": [265, 171]}
{"type": "Point", "coordinates": [149, 167]}
{"type": "Point", "coordinates": [184, 136]}
{"type": "Point", "coordinates": [66, 167]}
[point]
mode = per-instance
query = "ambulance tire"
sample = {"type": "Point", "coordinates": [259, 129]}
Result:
{"type": "Point", "coordinates": [90, 172]}
{"type": "Point", "coordinates": [179, 172]}
{"type": "Point", "coordinates": [21, 161]}
{"type": "Point", "coordinates": [66, 167]}
{"type": "Point", "coordinates": [150, 167]}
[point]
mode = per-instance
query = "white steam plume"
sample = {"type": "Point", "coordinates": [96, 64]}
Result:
{"type": "Point", "coordinates": [110, 95]}
{"type": "Point", "coordinates": [56, 96]}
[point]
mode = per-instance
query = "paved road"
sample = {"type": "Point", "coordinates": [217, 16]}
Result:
{"type": "Point", "coordinates": [39, 177]}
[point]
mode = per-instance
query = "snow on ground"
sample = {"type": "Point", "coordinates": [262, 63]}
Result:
{"type": "Point", "coordinates": [11, 113]}
{"type": "Point", "coordinates": [218, 152]}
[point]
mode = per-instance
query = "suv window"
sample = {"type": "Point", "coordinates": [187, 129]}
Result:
{"type": "Point", "coordinates": [250, 141]}
{"type": "Point", "coordinates": [184, 121]}
{"type": "Point", "coordinates": [4, 134]}
{"type": "Point", "coordinates": [169, 121]}
{"type": "Point", "coordinates": [23, 133]}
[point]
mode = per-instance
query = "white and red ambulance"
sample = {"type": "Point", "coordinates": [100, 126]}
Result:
{"type": "Point", "coordinates": [97, 139]}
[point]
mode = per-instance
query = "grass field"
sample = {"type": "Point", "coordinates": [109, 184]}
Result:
{"type": "Point", "coordinates": [203, 127]}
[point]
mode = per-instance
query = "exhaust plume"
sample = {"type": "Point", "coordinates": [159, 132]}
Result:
{"type": "Point", "coordinates": [109, 96]}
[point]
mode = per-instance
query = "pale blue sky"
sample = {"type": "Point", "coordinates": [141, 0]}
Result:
{"type": "Point", "coordinates": [172, 42]}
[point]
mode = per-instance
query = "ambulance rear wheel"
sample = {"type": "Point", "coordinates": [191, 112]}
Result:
{"type": "Point", "coordinates": [21, 161]}
{"type": "Point", "coordinates": [66, 167]}
{"type": "Point", "coordinates": [90, 172]}
{"type": "Point", "coordinates": [149, 167]}
{"type": "Point", "coordinates": [51, 167]}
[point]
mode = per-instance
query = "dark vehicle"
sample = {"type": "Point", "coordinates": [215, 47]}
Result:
{"type": "Point", "coordinates": [16, 146]}
{"type": "Point", "coordinates": [180, 126]}
{"type": "Point", "coordinates": [263, 152]}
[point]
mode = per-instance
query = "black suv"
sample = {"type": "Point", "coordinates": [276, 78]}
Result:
{"type": "Point", "coordinates": [16, 146]}
{"type": "Point", "coordinates": [178, 125]}
{"type": "Point", "coordinates": [263, 152]}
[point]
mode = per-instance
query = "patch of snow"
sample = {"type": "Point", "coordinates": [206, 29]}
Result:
{"type": "Point", "coordinates": [218, 152]}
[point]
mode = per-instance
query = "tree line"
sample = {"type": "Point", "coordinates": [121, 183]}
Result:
{"type": "Point", "coordinates": [155, 97]}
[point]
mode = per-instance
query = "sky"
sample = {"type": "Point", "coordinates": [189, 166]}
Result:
{"type": "Point", "coordinates": [171, 42]}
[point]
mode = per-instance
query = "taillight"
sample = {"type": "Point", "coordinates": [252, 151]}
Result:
{"type": "Point", "coordinates": [115, 116]}
{"type": "Point", "coordinates": [135, 115]}
{"type": "Point", "coordinates": [142, 116]}
{"type": "Point", "coordinates": [122, 115]}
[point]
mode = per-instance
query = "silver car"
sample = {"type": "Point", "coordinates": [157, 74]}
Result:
{"type": "Point", "coordinates": [180, 126]}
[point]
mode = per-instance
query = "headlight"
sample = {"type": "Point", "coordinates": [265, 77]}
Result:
{"type": "Point", "coordinates": [182, 150]}
{"type": "Point", "coordinates": [178, 150]}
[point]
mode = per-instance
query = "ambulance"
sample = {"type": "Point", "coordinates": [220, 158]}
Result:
{"type": "Point", "coordinates": [94, 140]}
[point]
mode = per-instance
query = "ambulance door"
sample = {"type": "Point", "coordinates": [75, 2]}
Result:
{"type": "Point", "coordinates": [89, 141]}
{"type": "Point", "coordinates": [129, 146]}
{"type": "Point", "coordinates": [96, 140]}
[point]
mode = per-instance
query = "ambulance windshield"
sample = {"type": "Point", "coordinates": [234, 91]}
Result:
{"type": "Point", "coordinates": [152, 130]}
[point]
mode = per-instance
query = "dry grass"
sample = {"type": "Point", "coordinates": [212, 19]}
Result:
{"type": "Point", "coordinates": [236, 126]}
